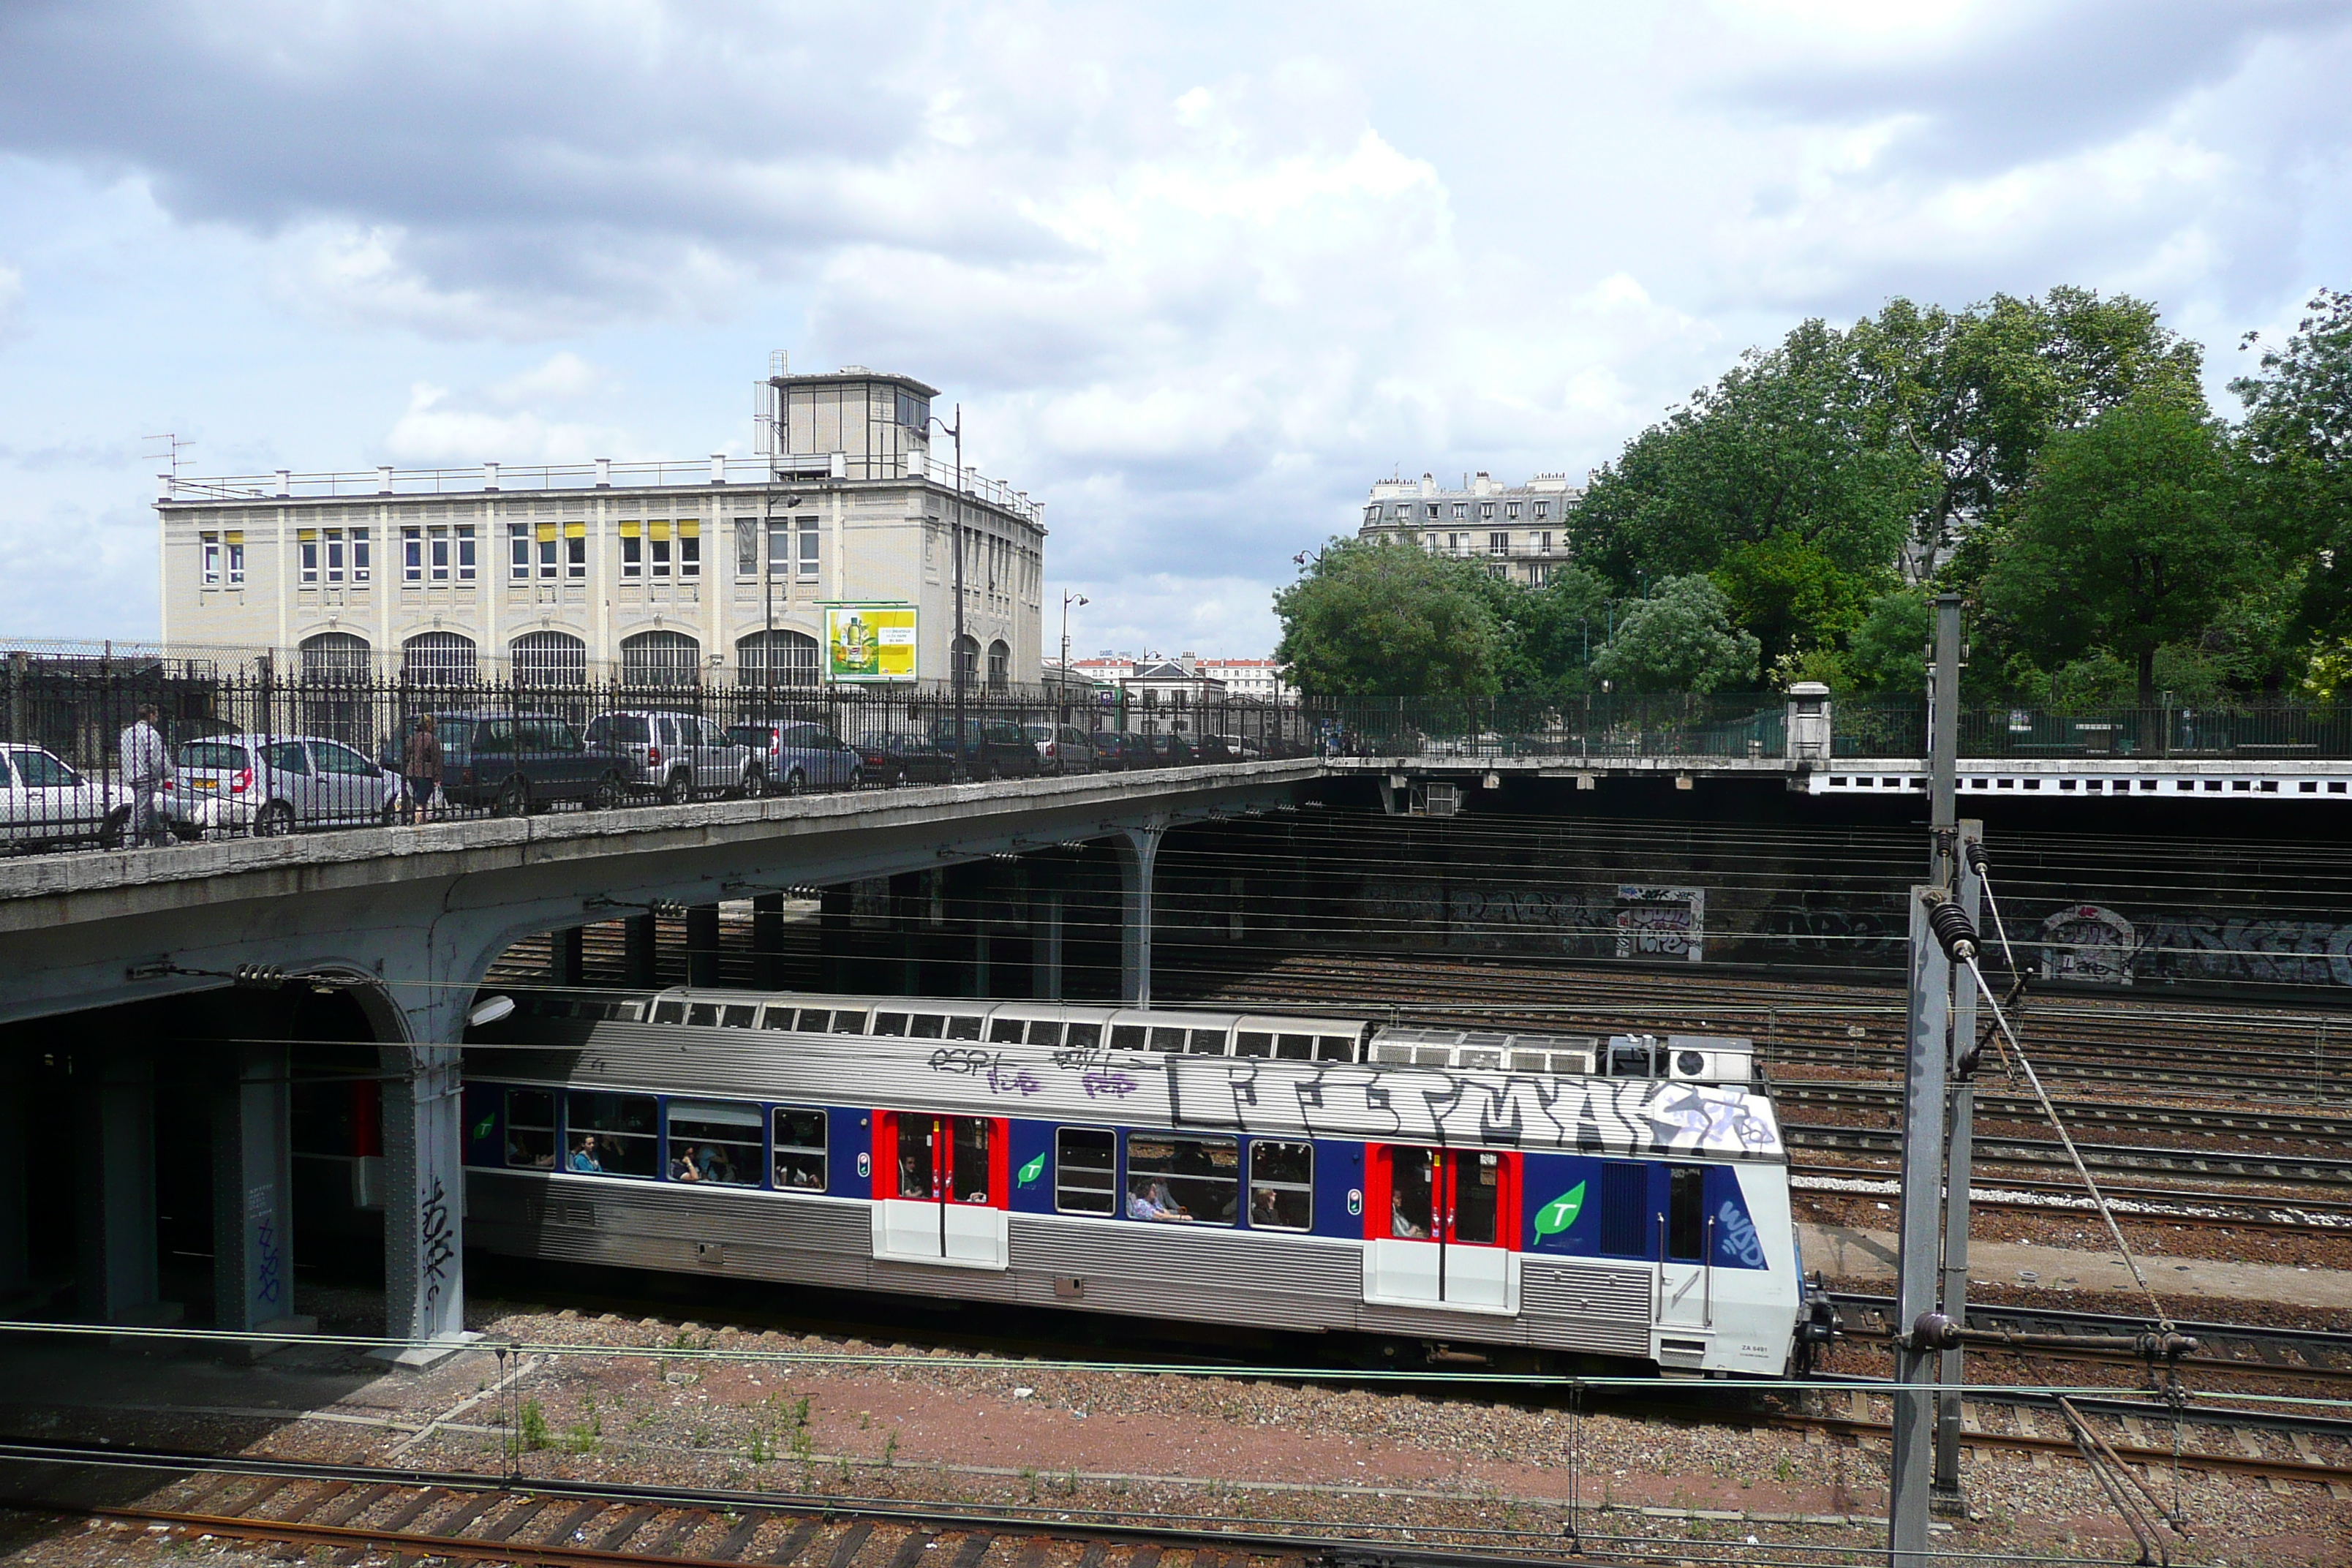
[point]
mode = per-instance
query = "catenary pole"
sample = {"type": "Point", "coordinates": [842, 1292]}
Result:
{"type": "Point", "coordinates": [1928, 1046]}
{"type": "Point", "coordinates": [1959, 1171]}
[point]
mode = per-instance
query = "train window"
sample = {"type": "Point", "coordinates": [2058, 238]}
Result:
{"type": "Point", "coordinates": [1126, 1037]}
{"type": "Point", "coordinates": [1625, 1206]}
{"type": "Point", "coordinates": [1295, 1048]}
{"type": "Point", "coordinates": [1004, 1031]}
{"type": "Point", "coordinates": [1249, 1043]}
{"type": "Point", "coordinates": [1194, 1179]}
{"type": "Point", "coordinates": [1687, 1213]}
{"type": "Point", "coordinates": [928, 1026]}
{"type": "Point", "coordinates": [918, 1160]}
{"type": "Point", "coordinates": [669, 1012]}
{"type": "Point", "coordinates": [1282, 1185]}
{"type": "Point", "coordinates": [818, 1019]}
{"type": "Point", "coordinates": [1167, 1039]}
{"type": "Point", "coordinates": [800, 1150]}
{"type": "Point", "coordinates": [1085, 1178]}
{"type": "Point", "coordinates": [611, 1134]}
{"type": "Point", "coordinates": [530, 1129]}
{"type": "Point", "coordinates": [891, 1024]}
{"type": "Point", "coordinates": [1336, 1048]}
{"type": "Point", "coordinates": [703, 1014]}
{"type": "Point", "coordinates": [849, 1021]}
{"type": "Point", "coordinates": [1042, 1033]}
{"type": "Point", "coordinates": [964, 1029]}
{"type": "Point", "coordinates": [735, 1016]}
{"type": "Point", "coordinates": [1412, 1193]}
{"type": "Point", "coordinates": [1085, 1036]}
{"type": "Point", "coordinates": [779, 1019]}
{"type": "Point", "coordinates": [1477, 1196]}
{"type": "Point", "coordinates": [970, 1141]}
{"type": "Point", "coordinates": [627, 1012]}
{"type": "Point", "coordinates": [1208, 1043]}
{"type": "Point", "coordinates": [714, 1140]}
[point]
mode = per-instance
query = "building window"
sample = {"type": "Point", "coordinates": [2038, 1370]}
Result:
{"type": "Point", "coordinates": [776, 658]}
{"type": "Point", "coordinates": [212, 559]}
{"type": "Point", "coordinates": [1000, 666]}
{"type": "Point", "coordinates": [412, 555]}
{"type": "Point", "coordinates": [1511, 510]}
{"type": "Point", "coordinates": [967, 663]}
{"type": "Point", "coordinates": [550, 549]}
{"type": "Point", "coordinates": [307, 548]}
{"type": "Point", "coordinates": [1543, 542]}
{"type": "Point", "coordinates": [334, 657]}
{"type": "Point", "coordinates": [657, 542]}
{"type": "Point", "coordinates": [437, 658]}
{"type": "Point", "coordinates": [690, 549]}
{"type": "Point", "coordinates": [1431, 541]}
{"type": "Point", "coordinates": [1461, 508]}
{"type": "Point", "coordinates": [466, 553]}
{"type": "Point", "coordinates": [661, 659]}
{"type": "Point", "coordinates": [334, 554]}
{"type": "Point", "coordinates": [632, 552]}
{"type": "Point", "coordinates": [518, 551]}
{"type": "Point", "coordinates": [360, 556]}
{"type": "Point", "coordinates": [1499, 571]}
{"type": "Point", "coordinates": [1499, 544]}
{"type": "Point", "coordinates": [550, 658]}
{"type": "Point", "coordinates": [1372, 514]}
{"type": "Point", "coordinates": [575, 550]}
{"type": "Point", "coordinates": [810, 545]}
{"type": "Point", "coordinates": [1539, 575]}
{"type": "Point", "coordinates": [1543, 509]}
{"type": "Point", "coordinates": [1485, 511]}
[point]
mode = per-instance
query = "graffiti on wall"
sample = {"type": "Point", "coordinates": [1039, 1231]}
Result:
{"type": "Point", "coordinates": [1610, 920]}
{"type": "Point", "coordinates": [2089, 943]}
{"type": "Point", "coordinates": [1660, 922]}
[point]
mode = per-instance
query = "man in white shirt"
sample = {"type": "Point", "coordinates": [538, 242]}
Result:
{"type": "Point", "coordinates": [146, 763]}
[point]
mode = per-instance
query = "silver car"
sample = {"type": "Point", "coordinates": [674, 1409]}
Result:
{"type": "Point", "coordinates": [275, 783]}
{"type": "Point", "coordinates": [45, 802]}
{"type": "Point", "coordinates": [1062, 748]}
{"type": "Point", "coordinates": [677, 756]}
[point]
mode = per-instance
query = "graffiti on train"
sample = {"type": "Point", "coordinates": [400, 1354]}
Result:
{"type": "Point", "coordinates": [2092, 943]}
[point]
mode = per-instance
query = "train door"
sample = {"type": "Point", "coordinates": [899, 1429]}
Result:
{"type": "Point", "coordinates": [940, 1189]}
{"type": "Point", "coordinates": [1441, 1227]}
{"type": "Point", "coordinates": [1686, 1298]}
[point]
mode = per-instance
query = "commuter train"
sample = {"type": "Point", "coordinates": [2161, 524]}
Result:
{"type": "Point", "coordinates": [1458, 1192]}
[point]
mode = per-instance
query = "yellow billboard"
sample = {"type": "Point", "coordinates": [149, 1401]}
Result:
{"type": "Point", "coordinates": [869, 642]}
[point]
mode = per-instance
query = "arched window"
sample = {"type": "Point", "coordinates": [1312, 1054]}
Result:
{"type": "Point", "coordinates": [437, 658]}
{"type": "Point", "coordinates": [661, 659]}
{"type": "Point", "coordinates": [550, 658]}
{"type": "Point", "coordinates": [776, 658]}
{"type": "Point", "coordinates": [967, 659]}
{"type": "Point", "coordinates": [1000, 666]}
{"type": "Point", "coordinates": [335, 658]}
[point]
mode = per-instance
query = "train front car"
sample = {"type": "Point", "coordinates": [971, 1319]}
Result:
{"type": "Point", "coordinates": [1293, 1173]}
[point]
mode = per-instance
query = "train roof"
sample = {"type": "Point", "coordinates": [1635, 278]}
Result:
{"type": "Point", "coordinates": [617, 1042]}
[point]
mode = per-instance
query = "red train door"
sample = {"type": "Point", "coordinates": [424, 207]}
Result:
{"type": "Point", "coordinates": [1441, 1227]}
{"type": "Point", "coordinates": [941, 1188]}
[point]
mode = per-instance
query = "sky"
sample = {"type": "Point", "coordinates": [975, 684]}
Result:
{"type": "Point", "coordinates": [1198, 275]}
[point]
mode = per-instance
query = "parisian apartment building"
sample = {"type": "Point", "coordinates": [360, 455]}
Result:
{"type": "Point", "coordinates": [1518, 531]}
{"type": "Point", "coordinates": [658, 573]}
{"type": "Point", "coordinates": [1257, 680]}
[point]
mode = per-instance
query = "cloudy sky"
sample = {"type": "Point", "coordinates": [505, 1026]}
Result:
{"type": "Point", "coordinates": [1197, 274]}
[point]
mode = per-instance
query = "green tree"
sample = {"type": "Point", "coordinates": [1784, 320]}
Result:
{"type": "Point", "coordinates": [2129, 535]}
{"type": "Point", "coordinates": [2298, 430]}
{"type": "Point", "coordinates": [1389, 620]}
{"type": "Point", "coordinates": [1886, 656]}
{"type": "Point", "coordinates": [1680, 638]}
{"type": "Point", "coordinates": [1547, 633]}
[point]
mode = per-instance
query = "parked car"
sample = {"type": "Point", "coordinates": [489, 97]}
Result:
{"type": "Point", "coordinates": [1242, 749]}
{"type": "Point", "coordinates": [44, 802]}
{"type": "Point", "coordinates": [270, 784]}
{"type": "Point", "coordinates": [677, 756]}
{"type": "Point", "coordinates": [1115, 749]}
{"type": "Point", "coordinates": [1160, 752]}
{"type": "Point", "coordinates": [989, 748]}
{"type": "Point", "coordinates": [898, 759]}
{"type": "Point", "coordinates": [1061, 747]}
{"type": "Point", "coordinates": [795, 757]}
{"type": "Point", "coordinates": [516, 762]}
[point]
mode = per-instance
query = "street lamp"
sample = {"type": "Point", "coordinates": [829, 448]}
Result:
{"type": "Point", "coordinates": [1067, 600]}
{"type": "Point", "coordinates": [955, 650]}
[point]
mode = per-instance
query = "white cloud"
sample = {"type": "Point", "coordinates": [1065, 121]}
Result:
{"type": "Point", "coordinates": [432, 432]}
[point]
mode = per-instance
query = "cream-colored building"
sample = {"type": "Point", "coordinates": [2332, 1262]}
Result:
{"type": "Point", "coordinates": [662, 574]}
{"type": "Point", "coordinates": [1518, 531]}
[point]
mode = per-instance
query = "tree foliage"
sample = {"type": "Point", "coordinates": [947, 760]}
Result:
{"type": "Point", "coordinates": [1366, 619]}
{"type": "Point", "coordinates": [1680, 638]}
{"type": "Point", "coordinates": [2299, 430]}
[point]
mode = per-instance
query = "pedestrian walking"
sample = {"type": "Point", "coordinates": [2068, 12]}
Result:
{"type": "Point", "coordinates": [421, 767]}
{"type": "Point", "coordinates": [146, 764]}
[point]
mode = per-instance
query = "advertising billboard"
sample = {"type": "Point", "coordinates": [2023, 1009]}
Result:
{"type": "Point", "coordinates": [869, 642]}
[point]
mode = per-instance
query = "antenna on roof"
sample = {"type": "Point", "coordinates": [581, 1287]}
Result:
{"type": "Point", "coordinates": [172, 445]}
{"type": "Point", "coordinates": [779, 362]}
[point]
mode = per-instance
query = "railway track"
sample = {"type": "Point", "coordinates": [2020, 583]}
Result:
{"type": "Point", "coordinates": [2158, 1205]}
{"type": "Point", "coordinates": [2266, 1122]}
{"type": "Point", "coordinates": [2049, 1153]}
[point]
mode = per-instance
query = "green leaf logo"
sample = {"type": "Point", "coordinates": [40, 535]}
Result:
{"type": "Point", "coordinates": [484, 1128]}
{"type": "Point", "coordinates": [1560, 1212]}
{"type": "Point", "coordinates": [1032, 1170]}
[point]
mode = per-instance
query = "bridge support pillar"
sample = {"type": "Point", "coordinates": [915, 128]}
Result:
{"type": "Point", "coordinates": [833, 938]}
{"type": "Point", "coordinates": [567, 955]}
{"type": "Point", "coordinates": [639, 943]}
{"type": "Point", "coordinates": [767, 942]}
{"type": "Point", "coordinates": [253, 1175]}
{"type": "Point", "coordinates": [1045, 943]}
{"type": "Point", "coordinates": [702, 944]}
{"type": "Point", "coordinates": [424, 1204]}
{"type": "Point", "coordinates": [115, 1268]}
{"type": "Point", "coordinates": [1139, 851]}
